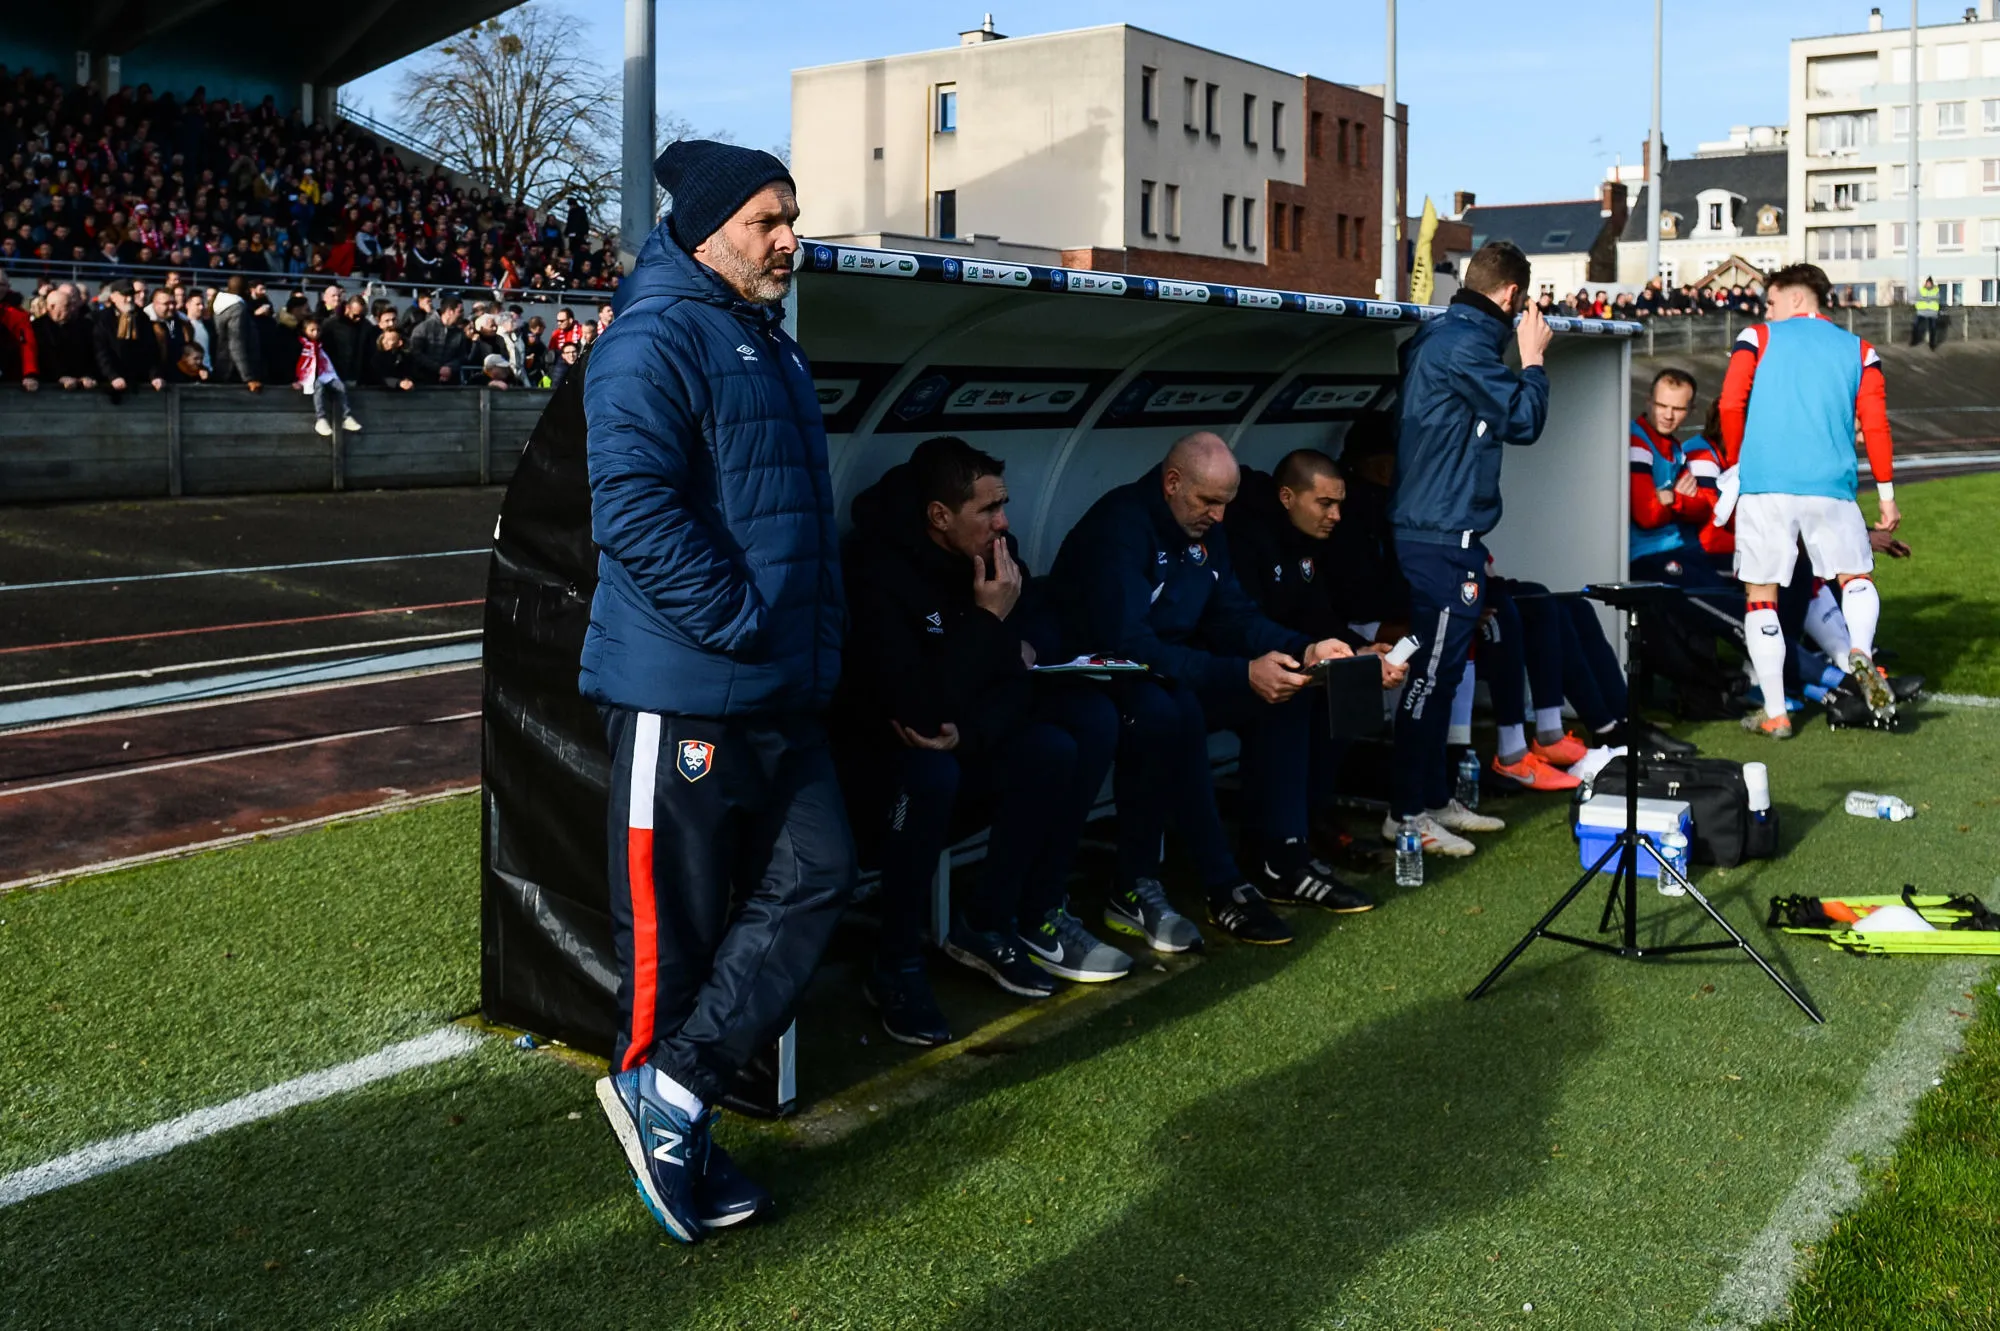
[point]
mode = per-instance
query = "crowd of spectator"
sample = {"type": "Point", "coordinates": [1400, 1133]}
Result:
{"type": "Point", "coordinates": [138, 334]}
{"type": "Point", "coordinates": [1656, 300]}
{"type": "Point", "coordinates": [135, 180]}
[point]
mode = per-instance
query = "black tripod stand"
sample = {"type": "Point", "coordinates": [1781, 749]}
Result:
{"type": "Point", "coordinates": [1628, 598]}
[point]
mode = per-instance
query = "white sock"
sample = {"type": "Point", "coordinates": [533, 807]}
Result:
{"type": "Point", "coordinates": [1513, 744]}
{"type": "Point", "coordinates": [1826, 625]}
{"type": "Point", "coordinates": [1549, 723]}
{"type": "Point", "coordinates": [1864, 610]}
{"type": "Point", "coordinates": [1461, 708]}
{"type": "Point", "coordinates": [1766, 641]}
{"type": "Point", "coordinates": [677, 1095]}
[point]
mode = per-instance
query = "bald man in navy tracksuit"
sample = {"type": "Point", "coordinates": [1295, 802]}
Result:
{"type": "Point", "coordinates": [1460, 406]}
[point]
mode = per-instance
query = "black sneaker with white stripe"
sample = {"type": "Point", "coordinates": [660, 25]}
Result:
{"type": "Point", "coordinates": [1313, 884]}
{"type": "Point", "coordinates": [1243, 914]}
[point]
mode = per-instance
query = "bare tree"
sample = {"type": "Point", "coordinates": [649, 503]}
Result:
{"type": "Point", "coordinates": [516, 104]}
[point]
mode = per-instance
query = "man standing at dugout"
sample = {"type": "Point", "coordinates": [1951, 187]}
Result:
{"type": "Point", "coordinates": [1795, 387]}
{"type": "Point", "coordinates": [1460, 405]}
{"type": "Point", "coordinates": [714, 646]}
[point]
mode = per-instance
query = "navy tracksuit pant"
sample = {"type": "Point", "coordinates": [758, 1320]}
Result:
{"type": "Point", "coordinates": [1042, 781]}
{"type": "Point", "coordinates": [1557, 643]}
{"type": "Point", "coordinates": [730, 863]}
{"type": "Point", "coordinates": [1447, 594]}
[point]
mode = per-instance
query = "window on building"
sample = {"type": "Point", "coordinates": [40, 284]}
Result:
{"type": "Point", "coordinates": [1340, 145]}
{"type": "Point", "coordinates": [1315, 133]}
{"type": "Point", "coordinates": [1842, 195]}
{"type": "Point", "coordinates": [1298, 226]}
{"type": "Point", "coordinates": [1555, 240]}
{"type": "Point", "coordinates": [947, 108]}
{"type": "Point", "coordinates": [1986, 285]}
{"type": "Point", "coordinates": [1361, 145]}
{"type": "Point", "coordinates": [1249, 119]}
{"type": "Point", "coordinates": [1989, 111]}
{"type": "Point", "coordinates": [1951, 117]}
{"type": "Point", "coordinates": [1951, 235]}
{"type": "Point", "coordinates": [1948, 180]}
{"type": "Point", "coordinates": [1842, 242]}
{"type": "Point", "coordinates": [1277, 127]}
{"type": "Point", "coordinates": [1278, 217]}
{"type": "Point", "coordinates": [1147, 225]}
{"type": "Point", "coordinates": [1899, 237]}
{"type": "Point", "coordinates": [1229, 220]}
{"type": "Point", "coordinates": [1899, 179]}
{"type": "Point", "coordinates": [1953, 60]}
{"type": "Point", "coordinates": [1249, 224]}
{"type": "Point", "coordinates": [1899, 65]}
{"type": "Point", "coordinates": [1361, 238]}
{"type": "Point", "coordinates": [1211, 109]}
{"type": "Point", "coordinates": [1841, 134]}
{"type": "Point", "coordinates": [1989, 234]}
{"type": "Point", "coordinates": [1899, 123]}
{"type": "Point", "coordinates": [947, 214]}
{"type": "Point", "coordinates": [1953, 293]}
{"type": "Point", "coordinates": [1170, 205]}
{"type": "Point", "coordinates": [1149, 95]}
{"type": "Point", "coordinates": [1989, 175]}
{"type": "Point", "coordinates": [1340, 235]}
{"type": "Point", "coordinates": [1191, 109]}
{"type": "Point", "coordinates": [1715, 217]}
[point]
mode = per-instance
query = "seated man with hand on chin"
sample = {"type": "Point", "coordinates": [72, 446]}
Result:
{"type": "Point", "coordinates": [1146, 575]}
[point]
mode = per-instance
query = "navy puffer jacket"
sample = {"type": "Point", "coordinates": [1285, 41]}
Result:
{"type": "Point", "coordinates": [719, 590]}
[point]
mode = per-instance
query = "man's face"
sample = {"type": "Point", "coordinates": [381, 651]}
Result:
{"type": "Point", "coordinates": [330, 298]}
{"type": "Point", "coordinates": [564, 318]}
{"type": "Point", "coordinates": [972, 527]}
{"type": "Point", "coordinates": [386, 320]}
{"type": "Point", "coordinates": [1670, 406]}
{"type": "Point", "coordinates": [163, 304]}
{"type": "Point", "coordinates": [390, 339]}
{"type": "Point", "coordinates": [1315, 511]}
{"type": "Point", "coordinates": [1199, 501]}
{"type": "Point", "coordinates": [753, 250]}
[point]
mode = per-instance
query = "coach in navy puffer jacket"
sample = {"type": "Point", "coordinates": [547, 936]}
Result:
{"type": "Point", "coordinates": [719, 589]}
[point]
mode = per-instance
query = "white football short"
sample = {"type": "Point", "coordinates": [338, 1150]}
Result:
{"type": "Point", "coordinates": [1770, 526]}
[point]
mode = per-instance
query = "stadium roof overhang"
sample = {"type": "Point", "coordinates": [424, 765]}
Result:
{"type": "Point", "coordinates": [320, 44]}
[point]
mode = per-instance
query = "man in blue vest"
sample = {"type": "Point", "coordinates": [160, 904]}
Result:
{"type": "Point", "coordinates": [714, 646]}
{"type": "Point", "coordinates": [1460, 405]}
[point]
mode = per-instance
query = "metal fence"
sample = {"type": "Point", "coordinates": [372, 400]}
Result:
{"type": "Point", "coordinates": [91, 276]}
{"type": "Point", "coordinates": [1882, 324]}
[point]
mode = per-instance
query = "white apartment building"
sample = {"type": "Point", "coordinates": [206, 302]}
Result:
{"type": "Point", "coordinates": [1849, 176]}
{"type": "Point", "coordinates": [1090, 146]}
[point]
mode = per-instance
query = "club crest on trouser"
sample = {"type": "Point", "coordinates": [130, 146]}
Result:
{"type": "Point", "coordinates": [1306, 568]}
{"type": "Point", "coordinates": [696, 758]}
{"type": "Point", "coordinates": [1468, 591]}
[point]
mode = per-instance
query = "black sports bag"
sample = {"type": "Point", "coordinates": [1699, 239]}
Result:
{"type": "Point", "coordinates": [1725, 833]}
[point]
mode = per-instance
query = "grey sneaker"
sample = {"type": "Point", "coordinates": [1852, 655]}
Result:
{"type": "Point", "coordinates": [1143, 911]}
{"type": "Point", "coordinates": [1061, 946]}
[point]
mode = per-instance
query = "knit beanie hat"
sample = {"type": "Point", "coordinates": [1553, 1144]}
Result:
{"type": "Point", "coordinates": [709, 181]}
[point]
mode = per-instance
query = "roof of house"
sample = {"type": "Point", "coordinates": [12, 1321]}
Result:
{"type": "Point", "coordinates": [1759, 177]}
{"type": "Point", "coordinates": [1538, 228]}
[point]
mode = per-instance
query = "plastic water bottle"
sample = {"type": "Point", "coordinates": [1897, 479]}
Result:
{"type": "Point", "coordinates": [1886, 807]}
{"type": "Point", "coordinates": [1674, 850]}
{"type": "Point", "coordinates": [1467, 790]}
{"type": "Point", "coordinates": [1409, 855]}
{"type": "Point", "coordinates": [1757, 790]}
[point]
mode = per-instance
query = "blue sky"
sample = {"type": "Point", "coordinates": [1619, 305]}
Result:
{"type": "Point", "coordinates": [1515, 101]}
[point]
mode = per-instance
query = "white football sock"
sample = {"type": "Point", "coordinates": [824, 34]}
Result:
{"type": "Point", "coordinates": [1864, 610]}
{"type": "Point", "coordinates": [1461, 708]}
{"type": "Point", "coordinates": [677, 1095]}
{"type": "Point", "coordinates": [1513, 743]}
{"type": "Point", "coordinates": [1826, 625]}
{"type": "Point", "coordinates": [1766, 641]}
{"type": "Point", "coordinates": [1548, 724]}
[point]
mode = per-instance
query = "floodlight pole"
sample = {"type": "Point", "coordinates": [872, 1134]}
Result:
{"type": "Point", "coordinates": [1914, 244]}
{"type": "Point", "coordinates": [1655, 174]}
{"type": "Point", "coordinates": [1392, 203]}
{"type": "Point", "coordinates": [635, 203]}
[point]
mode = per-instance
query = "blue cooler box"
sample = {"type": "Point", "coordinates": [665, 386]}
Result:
{"type": "Point", "coordinates": [1601, 818]}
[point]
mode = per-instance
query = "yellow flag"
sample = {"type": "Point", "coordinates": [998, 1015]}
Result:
{"type": "Point", "coordinates": [1422, 273]}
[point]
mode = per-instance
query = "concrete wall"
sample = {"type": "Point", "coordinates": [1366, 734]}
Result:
{"type": "Point", "coordinates": [203, 440]}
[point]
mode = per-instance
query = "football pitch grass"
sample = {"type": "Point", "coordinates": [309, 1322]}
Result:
{"type": "Point", "coordinates": [1325, 1135]}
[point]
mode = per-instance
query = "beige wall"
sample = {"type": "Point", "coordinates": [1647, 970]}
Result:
{"type": "Point", "coordinates": [1050, 146]}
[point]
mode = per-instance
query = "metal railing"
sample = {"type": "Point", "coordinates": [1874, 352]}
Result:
{"type": "Point", "coordinates": [1885, 325]}
{"type": "Point", "coordinates": [83, 273]}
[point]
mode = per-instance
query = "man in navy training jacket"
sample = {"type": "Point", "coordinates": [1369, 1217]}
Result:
{"type": "Point", "coordinates": [1460, 405]}
{"type": "Point", "coordinates": [1146, 575]}
{"type": "Point", "coordinates": [713, 649]}
{"type": "Point", "coordinates": [939, 707]}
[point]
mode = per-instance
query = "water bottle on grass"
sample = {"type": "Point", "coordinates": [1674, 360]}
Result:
{"type": "Point", "coordinates": [1467, 786]}
{"type": "Point", "coordinates": [1409, 855]}
{"type": "Point", "coordinates": [1886, 807]}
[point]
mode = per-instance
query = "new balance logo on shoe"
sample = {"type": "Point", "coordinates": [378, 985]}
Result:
{"type": "Point", "coordinates": [669, 1143]}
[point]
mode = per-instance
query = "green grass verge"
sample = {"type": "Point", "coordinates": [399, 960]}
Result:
{"type": "Point", "coordinates": [1940, 607]}
{"type": "Point", "coordinates": [1325, 1135]}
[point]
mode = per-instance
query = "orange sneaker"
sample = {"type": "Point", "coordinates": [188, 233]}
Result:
{"type": "Point", "coordinates": [1773, 727]}
{"type": "Point", "coordinates": [1565, 752]}
{"type": "Point", "coordinates": [1534, 772]}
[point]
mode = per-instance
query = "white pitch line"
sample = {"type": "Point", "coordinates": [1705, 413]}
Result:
{"type": "Point", "coordinates": [1755, 1292]}
{"type": "Point", "coordinates": [1963, 699]}
{"type": "Point", "coordinates": [116, 1153]}
{"type": "Point", "coordinates": [247, 568]}
{"type": "Point", "coordinates": [232, 754]}
{"type": "Point", "coordinates": [149, 671]}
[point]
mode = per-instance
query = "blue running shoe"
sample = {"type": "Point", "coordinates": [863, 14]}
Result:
{"type": "Point", "coordinates": [724, 1196]}
{"type": "Point", "coordinates": [664, 1148]}
{"type": "Point", "coordinates": [901, 992]}
{"type": "Point", "coordinates": [997, 956]}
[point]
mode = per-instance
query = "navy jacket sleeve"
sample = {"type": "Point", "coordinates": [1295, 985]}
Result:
{"type": "Point", "coordinates": [1117, 598]}
{"type": "Point", "coordinates": [648, 511]}
{"type": "Point", "coordinates": [1234, 623]}
{"type": "Point", "coordinates": [1517, 404]}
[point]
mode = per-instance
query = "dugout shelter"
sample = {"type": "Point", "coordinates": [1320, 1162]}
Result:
{"type": "Point", "coordinates": [1080, 381]}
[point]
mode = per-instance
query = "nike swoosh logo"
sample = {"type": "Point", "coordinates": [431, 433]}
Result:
{"type": "Point", "coordinates": [1046, 954]}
